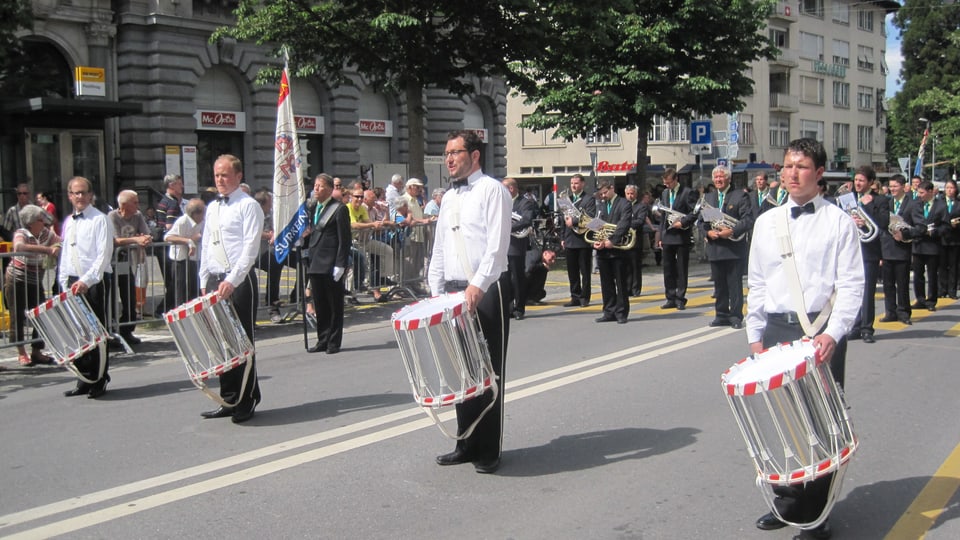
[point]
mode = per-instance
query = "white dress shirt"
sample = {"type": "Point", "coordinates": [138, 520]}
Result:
{"type": "Point", "coordinates": [484, 206]}
{"type": "Point", "coordinates": [87, 248]}
{"type": "Point", "coordinates": [231, 229]}
{"type": "Point", "coordinates": [826, 248]}
{"type": "Point", "coordinates": [184, 227]}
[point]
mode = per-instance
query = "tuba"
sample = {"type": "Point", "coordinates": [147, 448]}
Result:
{"type": "Point", "coordinates": [847, 200]}
{"type": "Point", "coordinates": [897, 223]}
{"type": "Point", "coordinates": [671, 215]}
{"type": "Point", "coordinates": [720, 220]}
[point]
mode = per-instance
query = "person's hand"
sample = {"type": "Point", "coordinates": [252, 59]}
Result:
{"type": "Point", "coordinates": [225, 290]}
{"type": "Point", "coordinates": [79, 288]}
{"type": "Point", "coordinates": [756, 347]}
{"type": "Point", "coordinates": [472, 295]}
{"type": "Point", "coordinates": [826, 345]}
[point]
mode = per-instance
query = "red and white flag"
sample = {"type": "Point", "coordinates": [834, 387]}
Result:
{"type": "Point", "coordinates": [287, 183]}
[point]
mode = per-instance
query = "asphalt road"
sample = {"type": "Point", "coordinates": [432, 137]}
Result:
{"type": "Point", "coordinates": [611, 431]}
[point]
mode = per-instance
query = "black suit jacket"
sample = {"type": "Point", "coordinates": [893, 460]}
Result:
{"type": "Point", "coordinates": [951, 235]}
{"type": "Point", "coordinates": [527, 210]}
{"type": "Point", "coordinates": [329, 246]}
{"type": "Point", "coordinates": [620, 214]}
{"type": "Point", "coordinates": [890, 249]}
{"type": "Point", "coordinates": [736, 204]}
{"type": "Point", "coordinates": [926, 231]}
{"type": "Point", "coordinates": [588, 205]}
{"type": "Point", "coordinates": [879, 211]}
{"type": "Point", "coordinates": [684, 203]}
{"type": "Point", "coordinates": [638, 217]}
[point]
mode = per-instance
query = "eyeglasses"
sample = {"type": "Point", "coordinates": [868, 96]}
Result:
{"type": "Point", "coordinates": [78, 193]}
{"type": "Point", "coordinates": [357, 195]}
{"type": "Point", "coordinates": [453, 153]}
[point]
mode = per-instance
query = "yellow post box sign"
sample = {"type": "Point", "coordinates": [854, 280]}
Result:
{"type": "Point", "coordinates": [90, 81]}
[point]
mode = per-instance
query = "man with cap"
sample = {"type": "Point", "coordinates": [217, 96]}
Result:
{"type": "Point", "coordinates": [416, 247]}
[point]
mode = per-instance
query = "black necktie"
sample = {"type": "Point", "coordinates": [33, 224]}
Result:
{"type": "Point", "coordinates": [459, 183]}
{"type": "Point", "coordinates": [78, 215]}
{"type": "Point", "coordinates": [805, 209]}
{"type": "Point", "coordinates": [223, 199]}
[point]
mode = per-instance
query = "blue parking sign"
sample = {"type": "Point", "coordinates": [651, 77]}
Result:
{"type": "Point", "coordinates": [700, 133]}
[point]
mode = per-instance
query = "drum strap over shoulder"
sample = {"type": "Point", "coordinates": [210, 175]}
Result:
{"type": "Point", "coordinates": [458, 237]}
{"type": "Point", "coordinates": [789, 262]}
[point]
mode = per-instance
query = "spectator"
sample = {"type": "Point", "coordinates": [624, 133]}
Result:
{"type": "Point", "coordinates": [11, 220]}
{"type": "Point", "coordinates": [44, 200]}
{"type": "Point", "coordinates": [394, 189]}
{"type": "Point", "coordinates": [185, 236]}
{"type": "Point", "coordinates": [131, 235]}
{"type": "Point", "coordinates": [433, 207]}
{"type": "Point", "coordinates": [266, 260]}
{"type": "Point", "coordinates": [23, 280]}
{"type": "Point", "coordinates": [380, 254]}
{"type": "Point", "coordinates": [416, 250]}
{"type": "Point", "coordinates": [168, 210]}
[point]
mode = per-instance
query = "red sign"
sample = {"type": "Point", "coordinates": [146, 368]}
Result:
{"type": "Point", "coordinates": [218, 119]}
{"type": "Point", "coordinates": [606, 166]}
{"type": "Point", "coordinates": [373, 127]}
{"type": "Point", "coordinates": [307, 123]}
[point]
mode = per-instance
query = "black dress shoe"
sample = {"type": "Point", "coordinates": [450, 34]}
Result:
{"type": "Point", "coordinates": [584, 303]}
{"type": "Point", "coordinates": [931, 308]}
{"type": "Point", "coordinates": [907, 321]}
{"type": "Point", "coordinates": [769, 522]}
{"type": "Point", "coordinates": [221, 412]}
{"type": "Point", "coordinates": [333, 349]}
{"type": "Point", "coordinates": [737, 324]}
{"type": "Point", "coordinates": [606, 319]}
{"type": "Point", "coordinates": [131, 339]}
{"type": "Point", "coordinates": [621, 321]}
{"type": "Point", "coordinates": [889, 318]}
{"type": "Point", "coordinates": [853, 336]}
{"type": "Point", "coordinates": [918, 305]}
{"type": "Point", "coordinates": [668, 305]}
{"type": "Point", "coordinates": [719, 322]}
{"type": "Point", "coordinates": [517, 315]}
{"type": "Point", "coordinates": [319, 347]}
{"type": "Point", "coordinates": [822, 531]}
{"type": "Point", "coordinates": [572, 303]}
{"type": "Point", "coordinates": [243, 413]}
{"type": "Point", "coordinates": [99, 388]}
{"type": "Point", "coordinates": [681, 306]}
{"type": "Point", "coordinates": [868, 338]}
{"type": "Point", "coordinates": [453, 458]}
{"type": "Point", "coordinates": [81, 389]}
{"type": "Point", "coordinates": [487, 466]}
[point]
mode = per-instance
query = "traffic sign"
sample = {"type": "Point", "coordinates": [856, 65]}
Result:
{"type": "Point", "coordinates": [700, 133]}
{"type": "Point", "coordinates": [721, 162]}
{"type": "Point", "coordinates": [734, 137]}
{"type": "Point", "coordinates": [701, 149]}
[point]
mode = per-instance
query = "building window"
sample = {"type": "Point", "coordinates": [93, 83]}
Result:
{"type": "Point", "coordinates": [533, 139]}
{"type": "Point", "coordinates": [811, 90]}
{"type": "Point", "coordinates": [865, 98]}
{"type": "Point", "coordinates": [841, 136]}
{"type": "Point", "coordinates": [865, 58]}
{"type": "Point", "coordinates": [841, 94]}
{"type": "Point", "coordinates": [865, 138]}
{"type": "Point", "coordinates": [608, 138]}
{"type": "Point", "coordinates": [811, 46]}
{"type": "Point", "coordinates": [747, 136]}
{"type": "Point", "coordinates": [531, 170]}
{"type": "Point", "coordinates": [811, 129]}
{"type": "Point", "coordinates": [668, 130]}
{"type": "Point", "coordinates": [779, 131]}
{"type": "Point", "coordinates": [841, 13]}
{"type": "Point", "coordinates": [865, 20]}
{"type": "Point", "coordinates": [780, 38]}
{"type": "Point", "coordinates": [841, 52]}
{"type": "Point", "coordinates": [812, 7]}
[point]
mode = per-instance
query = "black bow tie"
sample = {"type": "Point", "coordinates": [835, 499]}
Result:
{"type": "Point", "coordinates": [459, 183]}
{"type": "Point", "coordinates": [805, 209]}
{"type": "Point", "coordinates": [78, 215]}
{"type": "Point", "coordinates": [223, 199]}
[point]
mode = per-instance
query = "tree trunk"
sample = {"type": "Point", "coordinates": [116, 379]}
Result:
{"type": "Point", "coordinates": [642, 131]}
{"type": "Point", "coordinates": [415, 114]}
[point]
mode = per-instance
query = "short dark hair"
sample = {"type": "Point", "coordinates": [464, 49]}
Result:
{"type": "Point", "coordinates": [867, 171]}
{"type": "Point", "coordinates": [326, 179]}
{"type": "Point", "coordinates": [470, 139]}
{"type": "Point", "coordinates": [898, 178]}
{"type": "Point", "coordinates": [926, 186]}
{"type": "Point", "coordinates": [810, 148]}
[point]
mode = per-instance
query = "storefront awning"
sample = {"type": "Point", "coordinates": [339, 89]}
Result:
{"type": "Point", "coordinates": [744, 167]}
{"type": "Point", "coordinates": [84, 107]}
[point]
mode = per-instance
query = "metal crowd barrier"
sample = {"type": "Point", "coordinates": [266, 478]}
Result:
{"type": "Point", "coordinates": [393, 261]}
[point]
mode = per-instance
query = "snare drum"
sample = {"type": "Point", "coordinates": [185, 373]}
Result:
{"type": "Point", "coordinates": [211, 341]}
{"type": "Point", "coordinates": [793, 418]}
{"type": "Point", "coordinates": [444, 354]}
{"type": "Point", "coordinates": [69, 329]}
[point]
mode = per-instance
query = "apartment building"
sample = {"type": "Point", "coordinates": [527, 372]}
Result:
{"type": "Point", "coordinates": [828, 82]}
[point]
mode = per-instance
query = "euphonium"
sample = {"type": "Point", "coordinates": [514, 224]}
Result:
{"type": "Point", "coordinates": [771, 199]}
{"type": "Point", "coordinates": [522, 233]}
{"type": "Point", "coordinates": [606, 231]}
{"type": "Point", "coordinates": [897, 223]}
{"type": "Point", "coordinates": [848, 201]}
{"type": "Point", "coordinates": [671, 215]}
{"type": "Point", "coordinates": [725, 222]}
{"type": "Point", "coordinates": [570, 210]}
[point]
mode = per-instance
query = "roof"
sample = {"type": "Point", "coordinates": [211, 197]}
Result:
{"type": "Point", "coordinates": [742, 167]}
{"type": "Point", "coordinates": [52, 105]}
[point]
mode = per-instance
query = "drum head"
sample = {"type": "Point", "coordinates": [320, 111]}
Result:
{"type": "Point", "coordinates": [770, 368]}
{"type": "Point", "coordinates": [429, 312]}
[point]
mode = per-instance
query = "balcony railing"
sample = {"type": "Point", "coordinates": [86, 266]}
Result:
{"type": "Point", "coordinates": [784, 103]}
{"type": "Point", "coordinates": [784, 11]}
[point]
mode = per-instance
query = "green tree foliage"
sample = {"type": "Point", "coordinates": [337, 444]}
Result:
{"type": "Point", "coordinates": [615, 64]}
{"type": "Point", "coordinates": [397, 46]}
{"type": "Point", "coordinates": [931, 79]}
{"type": "Point", "coordinates": [15, 15]}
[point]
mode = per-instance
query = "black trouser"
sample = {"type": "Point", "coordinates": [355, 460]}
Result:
{"type": "Point", "coordinates": [327, 295]}
{"type": "Point", "coordinates": [268, 263]}
{"type": "Point", "coordinates": [244, 300]}
{"type": "Point", "coordinates": [635, 270]}
{"type": "Point", "coordinates": [89, 364]}
{"type": "Point", "coordinates": [20, 295]}
{"type": "Point", "coordinates": [493, 313]}
{"type": "Point", "coordinates": [803, 503]}
{"type": "Point", "coordinates": [896, 289]}
{"type": "Point", "coordinates": [518, 282]}
{"type": "Point", "coordinates": [949, 259]}
{"type": "Point", "coordinates": [930, 264]}
{"type": "Point", "coordinates": [127, 290]}
{"type": "Point", "coordinates": [189, 280]}
{"type": "Point", "coordinates": [868, 309]}
{"type": "Point", "coordinates": [579, 272]}
{"type": "Point", "coordinates": [728, 289]}
{"type": "Point", "coordinates": [537, 284]}
{"type": "Point", "coordinates": [676, 265]}
{"type": "Point", "coordinates": [613, 287]}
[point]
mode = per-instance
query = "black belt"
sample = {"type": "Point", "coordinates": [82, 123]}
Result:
{"type": "Point", "coordinates": [454, 286]}
{"type": "Point", "coordinates": [790, 317]}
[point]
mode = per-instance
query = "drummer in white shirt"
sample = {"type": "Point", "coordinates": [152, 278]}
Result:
{"type": "Point", "coordinates": [84, 261]}
{"type": "Point", "coordinates": [826, 248]}
{"type": "Point", "coordinates": [230, 246]}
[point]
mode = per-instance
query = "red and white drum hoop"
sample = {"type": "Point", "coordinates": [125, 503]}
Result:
{"type": "Point", "coordinates": [211, 341]}
{"type": "Point", "coordinates": [70, 329]}
{"type": "Point", "coordinates": [444, 354]}
{"type": "Point", "coordinates": [793, 418]}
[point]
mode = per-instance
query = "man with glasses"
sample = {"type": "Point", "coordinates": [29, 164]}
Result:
{"type": "Point", "coordinates": [364, 230]}
{"type": "Point", "coordinates": [84, 265]}
{"type": "Point", "coordinates": [11, 220]}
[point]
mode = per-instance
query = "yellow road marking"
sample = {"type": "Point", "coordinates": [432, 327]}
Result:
{"type": "Point", "coordinates": [931, 502]}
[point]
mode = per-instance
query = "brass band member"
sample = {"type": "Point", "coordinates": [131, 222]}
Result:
{"type": "Point", "coordinates": [524, 212]}
{"type": "Point", "coordinates": [928, 217]}
{"type": "Point", "coordinates": [613, 262]}
{"type": "Point", "coordinates": [579, 252]}
{"type": "Point", "coordinates": [676, 238]}
{"type": "Point", "coordinates": [895, 246]}
{"type": "Point", "coordinates": [638, 218]}
{"type": "Point", "coordinates": [878, 208]}
{"type": "Point", "coordinates": [726, 254]}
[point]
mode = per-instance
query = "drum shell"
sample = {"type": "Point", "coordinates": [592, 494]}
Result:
{"type": "Point", "coordinates": [68, 326]}
{"type": "Point", "coordinates": [209, 336]}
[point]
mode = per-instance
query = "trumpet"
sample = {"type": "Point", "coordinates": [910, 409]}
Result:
{"type": "Point", "coordinates": [848, 202]}
{"type": "Point", "coordinates": [672, 216]}
{"type": "Point", "coordinates": [897, 223]}
{"type": "Point", "coordinates": [719, 220]}
{"type": "Point", "coordinates": [606, 231]}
